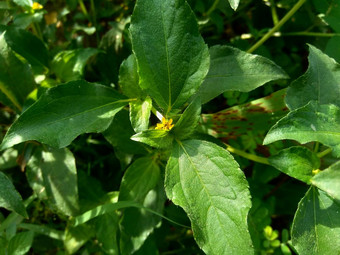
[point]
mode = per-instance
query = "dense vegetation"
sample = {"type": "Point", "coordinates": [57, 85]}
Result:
{"type": "Point", "coordinates": [170, 127]}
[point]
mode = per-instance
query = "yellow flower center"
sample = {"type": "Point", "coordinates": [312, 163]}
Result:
{"type": "Point", "coordinates": [37, 6]}
{"type": "Point", "coordinates": [165, 125]}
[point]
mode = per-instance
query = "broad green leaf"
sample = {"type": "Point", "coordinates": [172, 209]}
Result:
{"type": "Point", "coordinates": [20, 243]}
{"type": "Point", "coordinates": [328, 180]}
{"type": "Point", "coordinates": [16, 78]}
{"type": "Point", "coordinates": [119, 132]}
{"type": "Point", "coordinates": [234, 70]}
{"type": "Point", "coordinates": [171, 54]}
{"type": "Point", "coordinates": [319, 83]}
{"type": "Point", "coordinates": [257, 115]}
{"type": "Point", "coordinates": [28, 46]}
{"type": "Point", "coordinates": [56, 175]}
{"type": "Point", "coordinates": [140, 112]}
{"type": "Point", "coordinates": [129, 78]}
{"type": "Point", "coordinates": [69, 65]}
{"type": "Point", "coordinates": [64, 112]}
{"type": "Point", "coordinates": [24, 3]}
{"type": "Point", "coordinates": [24, 20]}
{"type": "Point", "coordinates": [206, 181]}
{"type": "Point", "coordinates": [316, 224]}
{"type": "Point", "coordinates": [8, 159]}
{"type": "Point", "coordinates": [106, 228]}
{"type": "Point", "coordinates": [157, 138]}
{"type": "Point", "coordinates": [141, 177]}
{"type": "Point", "coordinates": [188, 121]}
{"type": "Point", "coordinates": [234, 4]}
{"type": "Point", "coordinates": [3, 244]}
{"type": "Point", "coordinates": [140, 183]}
{"type": "Point", "coordinates": [76, 237]}
{"type": "Point", "coordinates": [9, 197]}
{"type": "Point", "coordinates": [297, 162]}
{"type": "Point", "coordinates": [312, 122]}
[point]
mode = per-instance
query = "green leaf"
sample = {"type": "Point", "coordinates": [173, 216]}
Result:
{"type": "Point", "coordinates": [24, 3]}
{"type": "Point", "coordinates": [28, 46]}
{"type": "Point", "coordinates": [119, 132]}
{"type": "Point", "coordinates": [140, 183]}
{"type": "Point", "coordinates": [140, 112]}
{"type": "Point", "coordinates": [20, 243]}
{"type": "Point", "coordinates": [188, 121]}
{"type": "Point", "coordinates": [141, 177]}
{"type": "Point", "coordinates": [65, 112]}
{"type": "Point", "coordinates": [328, 180]}
{"type": "Point", "coordinates": [129, 78]}
{"type": "Point", "coordinates": [312, 122]}
{"type": "Point", "coordinates": [106, 228]}
{"type": "Point", "coordinates": [9, 197]}
{"type": "Point", "coordinates": [316, 224]}
{"type": "Point", "coordinates": [297, 162]}
{"type": "Point", "coordinates": [157, 138]}
{"type": "Point", "coordinates": [76, 237]}
{"type": "Point", "coordinates": [69, 65]}
{"type": "Point", "coordinates": [320, 78]}
{"type": "Point", "coordinates": [16, 78]}
{"type": "Point", "coordinates": [171, 54]}
{"type": "Point", "coordinates": [234, 70]}
{"type": "Point", "coordinates": [55, 171]}
{"type": "Point", "coordinates": [206, 181]}
{"type": "Point", "coordinates": [234, 4]}
{"type": "Point", "coordinates": [257, 116]}
{"type": "Point", "coordinates": [8, 159]}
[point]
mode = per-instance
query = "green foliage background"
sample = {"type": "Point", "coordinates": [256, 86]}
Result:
{"type": "Point", "coordinates": [169, 127]}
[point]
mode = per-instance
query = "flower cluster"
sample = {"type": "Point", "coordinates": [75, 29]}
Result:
{"type": "Point", "coordinates": [165, 125]}
{"type": "Point", "coordinates": [37, 6]}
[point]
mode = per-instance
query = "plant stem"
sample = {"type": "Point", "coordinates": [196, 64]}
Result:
{"type": "Point", "coordinates": [324, 153]}
{"type": "Point", "coordinates": [277, 26]}
{"type": "Point", "coordinates": [275, 17]}
{"type": "Point", "coordinates": [246, 155]}
{"type": "Point", "coordinates": [212, 8]}
{"type": "Point", "coordinates": [10, 96]}
{"type": "Point", "coordinates": [83, 8]}
{"type": "Point", "coordinates": [314, 34]}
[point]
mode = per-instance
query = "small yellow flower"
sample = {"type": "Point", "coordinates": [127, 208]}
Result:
{"type": "Point", "coordinates": [37, 6]}
{"type": "Point", "coordinates": [165, 125]}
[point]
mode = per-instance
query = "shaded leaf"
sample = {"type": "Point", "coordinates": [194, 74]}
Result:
{"type": "Point", "coordinates": [171, 54]}
{"type": "Point", "coordinates": [154, 137]}
{"type": "Point", "coordinates": [28, 46]}
{"type": "Point", "coordinates": [55, 179]}
{"type": "Point", "coordinates": [76, 237]}
{"type": "Point", "coordinates": [208, 184]}
{"type": "Point", "coordinates": [16, 78]}
{"type": "Point", "coordinates": [64, 112]}
{"type": "Point", "coordinates": [9, 197]}
{"type": "Point", "coordinates": [129, 78]}
{"type": "Point", "coordinates": [69, 65]}
{"type": "Point", "coordinates": [234, 70]}
{"type": "Point", "coordinates": [321, 77]}
{"type": "Point", "coordinates": [119, 132]}
{"type": "Point", "coordinates": [312, 122]}
{"type": "Point", "coordinates": [140, 112]}
{"type": "Point", "coordinates": [188, 121]}
{"type": "Point", "coordinates": [20, 243]}
{"type": "Point", "coordinates": [297, 162]}
{"type": "Point", "coordinates": [106, 228]}
{"type": "Point", "coordinates": [141, 184]}
{"type": "Point", "coordinates": [328, 180]}
{"type": "Point", "coordinates": [316, 226]}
